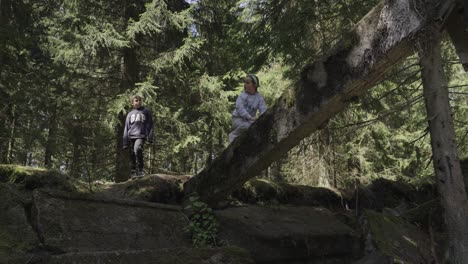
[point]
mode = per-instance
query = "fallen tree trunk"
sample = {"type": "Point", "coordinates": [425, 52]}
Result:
{"type": "Point", "coordinates": [383, 38]}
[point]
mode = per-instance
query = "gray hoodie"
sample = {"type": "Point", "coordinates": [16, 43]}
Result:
{"type": "Point", "coordinates": [248, 104]}
{"type": "Point", "coordinates": [139, 124]}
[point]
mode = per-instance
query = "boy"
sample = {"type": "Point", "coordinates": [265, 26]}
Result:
{"type": "Point", "coordinates": [138, 129]}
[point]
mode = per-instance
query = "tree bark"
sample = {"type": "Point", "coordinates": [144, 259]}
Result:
{"type": "Point", "coordinates": [129, 75]}
{"type": "Point", "coordinates": [76, 137]}
{"type": "Point", "coordinates": [457, 27]}
{"type": "Point", "coordinates": [12, 136]}
{"type": "Point", "coordinates": [380, 40]}
{"type": "Point", "coordinates": [28, 142]}
{"type": "Point", "coordinates": [3, 115]}
{"type": "Point", "coordinates": [51, 137]}
{"type": "Point", "coordinates": [122, 162]}
{"type": "Point", "coordinates": [5, 11]}
{"type": "Point", "coordinates": [209, 160]}
{"type": "Point", "coordinates": [449, 177]}
{"type": "Point", "coordinates": [325, 157]}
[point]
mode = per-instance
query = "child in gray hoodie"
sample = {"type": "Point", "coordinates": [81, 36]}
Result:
{"type": "Point", "coordinates": [138, 129]}
{"type": "Point", "coordinates": [247, 104]}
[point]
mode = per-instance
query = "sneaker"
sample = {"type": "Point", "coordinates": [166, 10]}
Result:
{"type": "Point", "coordinates": [140, 173]}
{"type": "Point", "coordinates": [133, 174]}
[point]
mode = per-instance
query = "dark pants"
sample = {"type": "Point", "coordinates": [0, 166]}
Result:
{"type": "Point", "coordinates": [136, 153]}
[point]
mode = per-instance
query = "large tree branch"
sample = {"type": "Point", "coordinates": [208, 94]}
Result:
{"type": "Point", "coordinates": [383, 38]}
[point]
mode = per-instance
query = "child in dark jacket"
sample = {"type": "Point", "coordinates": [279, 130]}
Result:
{"type": "Point", "coordinates": [138, 129]}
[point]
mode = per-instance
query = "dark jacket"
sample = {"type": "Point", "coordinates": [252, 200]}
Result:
{"type": "Point", "coordinates": [139, 124]}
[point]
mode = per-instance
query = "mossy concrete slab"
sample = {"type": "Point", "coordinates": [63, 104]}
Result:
{"type": "Point", "coordinates": [87, 223]}
{"type": "Point", "coordinates": [30, 178]}
{"type": "Point", "coordinates": [158, 188]}
{"type": "Point", "coordinates": [270, 192]}
{"type": "Point", "coordinates": [16, 233]}
{"type": "Point", "coordinates": [287, 233]}
{"type": "Point", "coordinates": [395, 237]}
{"type": "Point", "coordinates": [227, 255]}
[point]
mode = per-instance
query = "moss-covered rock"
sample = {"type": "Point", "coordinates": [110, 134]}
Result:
{"type": "Point", "coordinates": [259, 190]}
{"type": "Point", "coordinates": [16, 233]}
{"type": "Point", "coordinates": [158, 188]}
{"type": "Point", "coordinates": [269, 192]}
{"type": "Point", "coordinates": [225, 255]}
{"type": "Point", "coordinates": [81, 222]}
{"type": "Point", "coordinates": [281, 234]}
{"type": "Point", "coordinates": [31, 178]}
{"type": "Point", "coordinates": [398, 239]}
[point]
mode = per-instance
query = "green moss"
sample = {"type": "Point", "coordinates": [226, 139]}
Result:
{"type": "Point", "coordinates": [231, 255]}
{"type": "Point", "coordinates": [397, 238]}
{"type": "Point", "coordinates": [9, 242]}
{"type": "Point", "coordinates": [266, 192]}
{"type": "Point", "coordinates": [5, 240]}
{"type": "Point", "coordinates": [10, 196]}
{"type": "Point", "coordinates": [237, 255]}
{"type": "Point", "coordinates": [12, 258]}
{"type": "Point", "coordinates": [16, 173]}
{"type": "Point", "coordinates": [263, 190]}
{"type": "Point", "coordinates": [16, 234]}
{"type": "Point", "coordinates": [31, 178]}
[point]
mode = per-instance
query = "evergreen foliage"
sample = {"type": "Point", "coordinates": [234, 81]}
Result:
{"type": "Point", "coordinates": [67, 69]}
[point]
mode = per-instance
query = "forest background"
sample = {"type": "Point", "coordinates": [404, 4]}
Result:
{"type": "Point", "coordinates": [68, 67]}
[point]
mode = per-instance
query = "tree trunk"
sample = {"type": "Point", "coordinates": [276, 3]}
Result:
{"type": "Point", "coordinates": [50, 143]}
{"type": "Point", "coordinates": [129, 75]}
{"type": "Point", "coordinates": [449, 177]}
{"type": "Point", "coordinates": [333, 158]}
{"type": "Point", "coordinates": [3, 22]}
{"type": "Point", "coordinates": [275, 170]}
{"type": "Point", "coordinates": [75, 168]}
{"type": "Point", "coordinates": [325, 157]}
{"type": "Point", "coordinates": [457, 27]}
{"type": "Point", "coordinates": [24, 153]}
{"type": "Point", "coordinates": [153, 159]}
{"type": "Point", "coordinates": [128, 78]}
{"type": "Point", "coordinates": [209, 160]}
{"type": "Point", "coordinates": [12, 136]}
{"type": "Point", "coordinates": [383, 38]}
{"type": "Point", "coordinates": [122, 162]}
{"type": "Point", "coordinates": [95, 165]}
